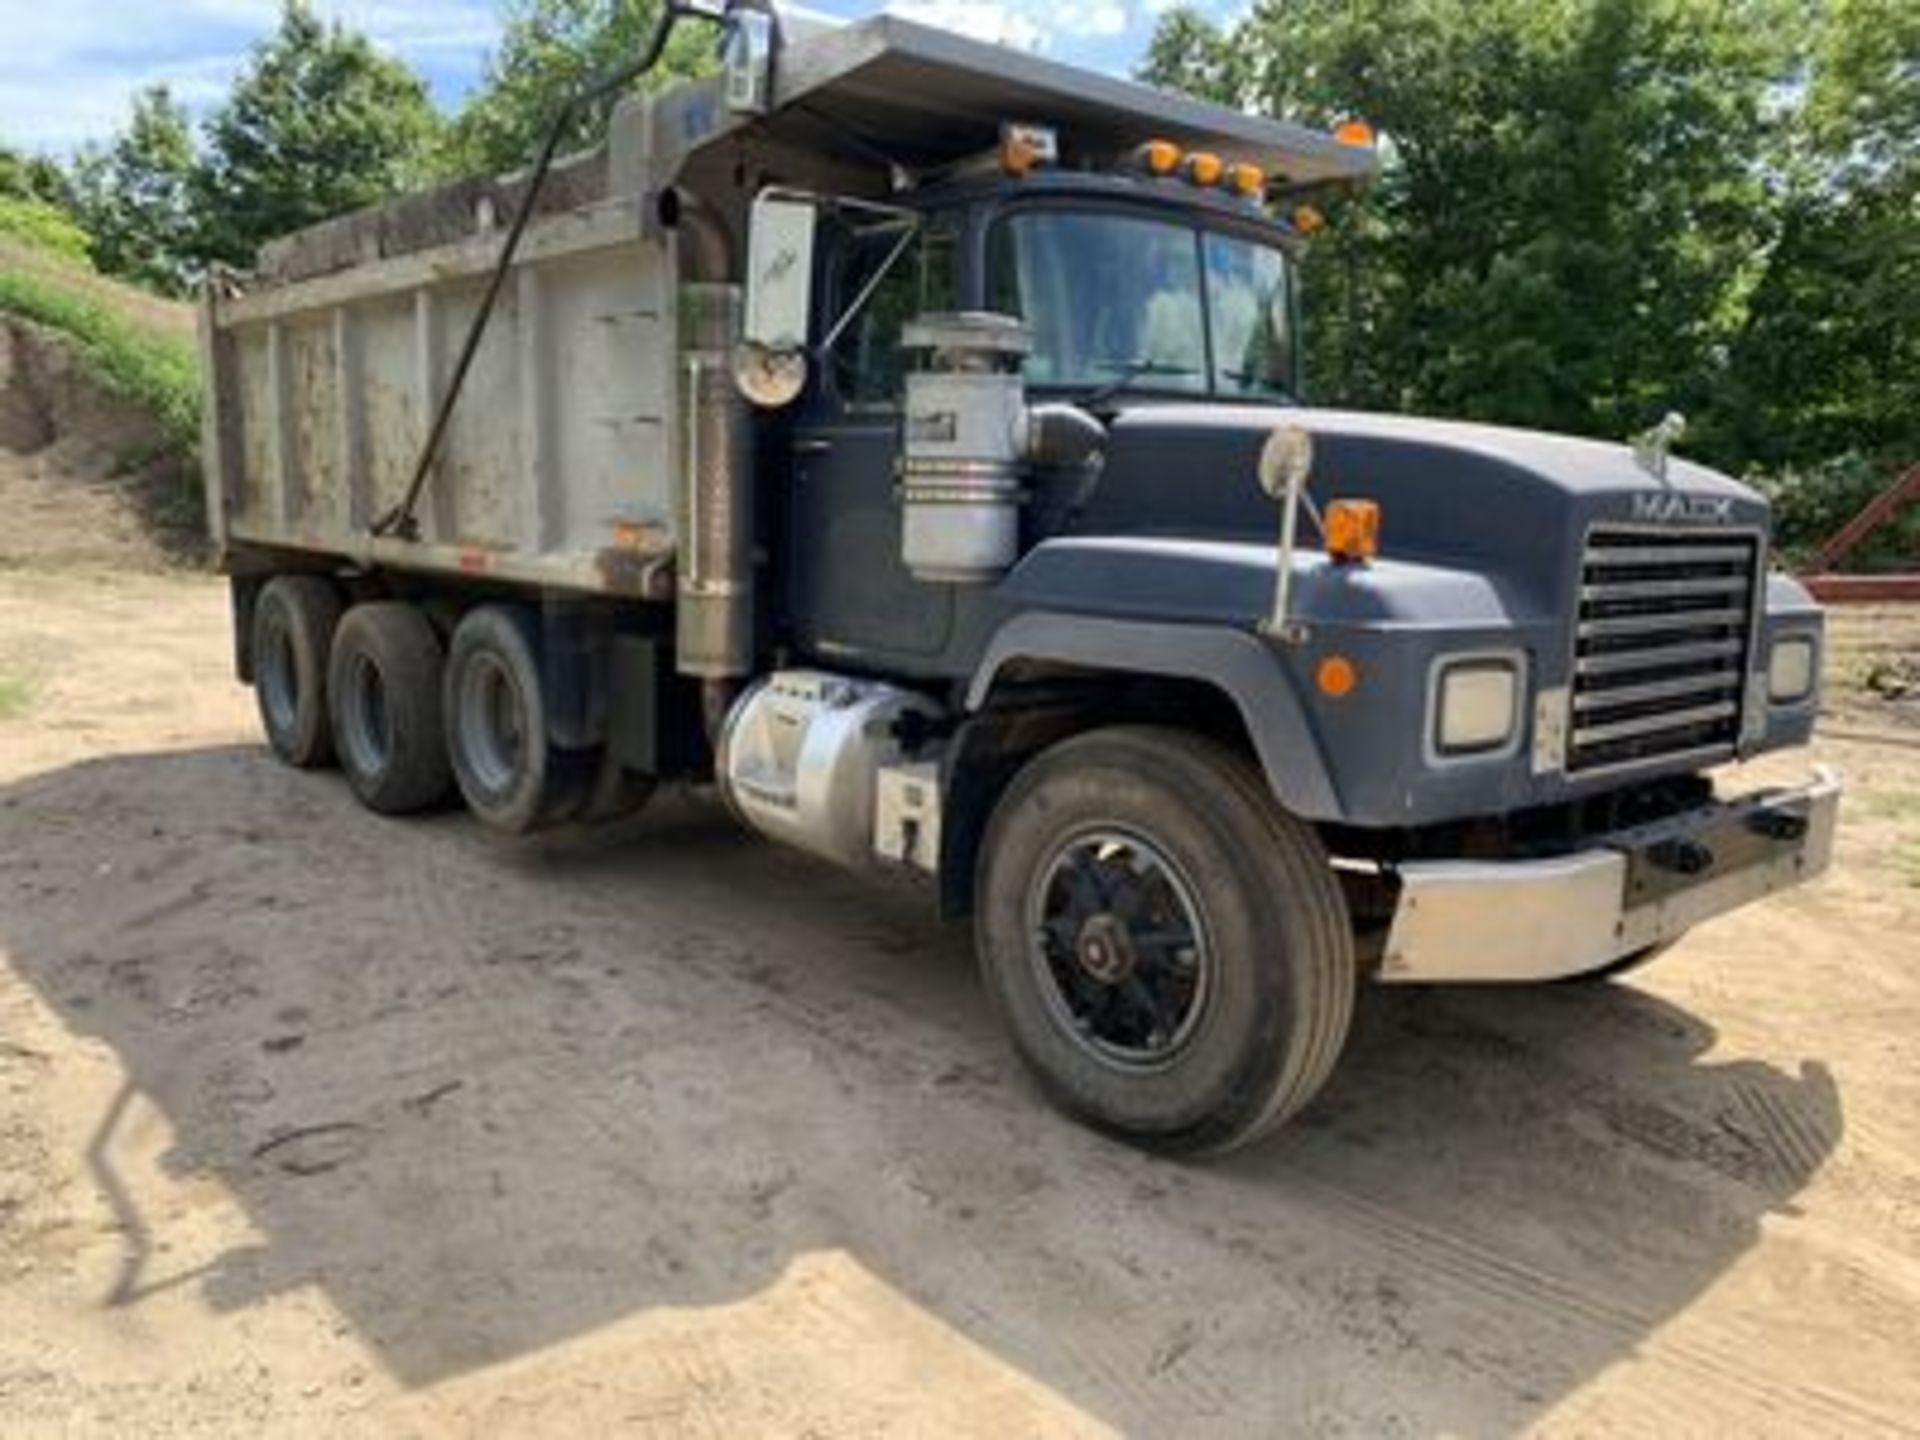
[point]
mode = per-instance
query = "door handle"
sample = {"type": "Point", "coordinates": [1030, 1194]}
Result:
{"type": "Point", "coordinates": [812, 445]}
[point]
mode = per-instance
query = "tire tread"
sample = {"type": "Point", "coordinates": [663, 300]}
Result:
{"type": "Point", "coordinates": [1229, 797]}
{"type": "Point", "coordinates": [402, 642]}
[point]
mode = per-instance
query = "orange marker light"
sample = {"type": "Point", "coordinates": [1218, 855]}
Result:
{"type": "Point", "coordinates": [1336, 676]}
{"type": "Point", "coordinates": [1160, 157]}
{"type": "Point", "coordinates": [1205, 168]}
{"type": "Point", "coordinates": [1017, 156]}
{"type": "Point", "coordinates": [1353, 132]}
{"type": "Point", "coordinates": [1247, 180]}
{"type": "Point", "coordinates": [1353, 530]}
{"type": "Point", "coordinates": [1023, 146]}
{"type": "Point", "coordinates": [1307, 220]}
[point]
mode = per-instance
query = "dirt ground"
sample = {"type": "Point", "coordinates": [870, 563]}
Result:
{"type": "Point", "coordinates": [319, 1123]}
{"type": "Point", "coordinates": [79, 481]}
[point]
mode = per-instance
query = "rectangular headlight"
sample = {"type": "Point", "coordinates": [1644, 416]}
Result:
{"type": "Point", "coordinates": [1476, 706]}
{"type": "Point", "coordinates": [1790, 670]}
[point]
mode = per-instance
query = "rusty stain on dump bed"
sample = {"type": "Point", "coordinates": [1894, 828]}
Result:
{"type": "Point", "coordinates": [335, 372]}
{"type": "Point", "coordinates": [644, 574]}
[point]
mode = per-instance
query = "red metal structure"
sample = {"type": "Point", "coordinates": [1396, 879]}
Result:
{"type": "Point", "coordinates": [1827, 586]}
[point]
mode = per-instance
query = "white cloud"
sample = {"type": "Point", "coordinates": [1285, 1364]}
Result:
{"type": "Point", "coordinates": [55, 112]}
{"type": "Point", "coordinates": [68, 71]}
{"type": "Point", "coordinates": [1023, 24]}
{"type": "Point", "coordinates": [68, 68]}
{"type": "Point", "coordinates": [1088, 18]}
{"type": "Point", "coordinates": [988, 20]}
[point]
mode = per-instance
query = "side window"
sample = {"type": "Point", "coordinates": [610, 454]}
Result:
{"type": "Point", "coordinates": [867, 364]}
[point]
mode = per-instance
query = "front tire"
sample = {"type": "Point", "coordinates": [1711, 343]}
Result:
{"type": "Point", "coordinates": [1169, 949]}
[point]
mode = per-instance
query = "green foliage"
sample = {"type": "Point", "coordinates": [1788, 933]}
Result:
{"type": "Point", "coordinates": [549, 49]}
{"type": "Point", "coordinates": [1812, 502]}
{"type": "Point", "coordinates": [1593, 211]}
{"type": "Point", "coordinates": [1189, 52]}
{"type": "Point", "coordinates": [136, 196]}
{"type": "Point", "coordinates": [33, 177]}
{"type": "Point", "coordinates": [158, 373]}
{"type": "Point", "coordinates": [319, 123]}
{"type": "Point", "coordinates": [42, 226]}
{"type": "Point", "coordinates": [1828, 359]}
{"type": "Point", "coordinates": [16, 693]}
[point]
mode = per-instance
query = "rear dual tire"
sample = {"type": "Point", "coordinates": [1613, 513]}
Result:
{"type": "Point", "coordinates": [509, 771]}
{"type": "Point", "coordinates": [1169, 949]}
{"type": "Point", "coordinates": [383, 689]}
{"type": "Point", "coordinates": [409, 719]}
{"type": "Point", "coordinates": [294, 619]}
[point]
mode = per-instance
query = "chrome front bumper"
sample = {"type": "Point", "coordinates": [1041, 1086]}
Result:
{"type": "Point", "coordinates": [1471, 920]}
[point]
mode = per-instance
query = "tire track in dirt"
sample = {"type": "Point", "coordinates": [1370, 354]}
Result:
{"type": "Point", "coordinates": [1516, 1291]}
{"type": "Point", "coordinates": [1793, 1142]}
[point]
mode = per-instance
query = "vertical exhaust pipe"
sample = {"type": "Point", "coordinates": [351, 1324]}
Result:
{"type": "Point", "coordinates": [714, 620]}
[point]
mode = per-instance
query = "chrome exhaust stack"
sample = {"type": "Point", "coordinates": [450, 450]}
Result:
{"type": "Point", "coordinates": [714, 616]}
{"type": "Point", "coordinates": [714, 500]}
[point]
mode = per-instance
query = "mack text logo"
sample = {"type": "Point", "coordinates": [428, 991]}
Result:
{"type": "Point", "coordinates": [1697, 509]}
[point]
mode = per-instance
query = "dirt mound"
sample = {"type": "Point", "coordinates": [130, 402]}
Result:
{"type": "Point", "coordinates": [83, 478]}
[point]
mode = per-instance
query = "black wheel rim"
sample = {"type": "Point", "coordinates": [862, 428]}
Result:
{"type": "Point", "coordinates": [1120, 948]}
{"type": "Point", "coordinates": [492, 724]}
{"type": "Point", "coordinates": [364, 732]}
{"type": "Point", "coordinates": [277, 672]}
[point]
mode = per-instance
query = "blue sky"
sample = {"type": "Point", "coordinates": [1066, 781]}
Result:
{"type": "Point", "coordinates": [67, 67]}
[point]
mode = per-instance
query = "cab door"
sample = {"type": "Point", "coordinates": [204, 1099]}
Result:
{"type": "Point", "coordinates": [849, 595]}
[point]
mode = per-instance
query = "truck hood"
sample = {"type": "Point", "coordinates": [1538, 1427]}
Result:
{"type": "Point", "coordinates": [1510, 505]}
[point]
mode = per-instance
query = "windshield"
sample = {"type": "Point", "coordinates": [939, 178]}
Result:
{"type": "Point", "coordinates": [1119, 300]}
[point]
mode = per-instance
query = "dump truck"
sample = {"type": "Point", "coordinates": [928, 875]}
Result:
{"type": "Point", "coordinates": [905, 436]}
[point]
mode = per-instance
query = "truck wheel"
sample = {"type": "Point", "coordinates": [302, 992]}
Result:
{"type": "Point", "coordinates": [510, 772]}
{"type": "Point", "coordinates": [383, 689]}
{"type": "Point", "coordinates": [1170, 949]}
{"type": "Point", "coordinates": [293, 624]}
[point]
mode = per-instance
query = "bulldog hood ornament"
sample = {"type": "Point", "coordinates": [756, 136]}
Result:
{"type": "Point", "coordinates": [1650, 447]}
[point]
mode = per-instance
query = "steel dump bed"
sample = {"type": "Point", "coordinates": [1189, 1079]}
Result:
{"type": "Point", "coordinates": [558, 469]}
{"type": "Point", "coordinates": [555, 467]}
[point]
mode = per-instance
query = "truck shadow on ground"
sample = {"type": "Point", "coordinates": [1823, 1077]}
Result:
{"type": "Point", "coordinates": [489, 1096]}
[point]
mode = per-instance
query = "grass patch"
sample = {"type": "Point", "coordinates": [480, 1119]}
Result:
{"type": "Point", "coordinates": [1903, 808]}
{"type": "Point", "coordinates": [158, 373]}
{"type": "Point", "coordinates": [16, 693]}
{"type": "Point", "coordinates": [43, 227]}
{"type": "Point", "coordinates": [1888, 804]}
{"type": "Point", "coordinates": [1909, 854]}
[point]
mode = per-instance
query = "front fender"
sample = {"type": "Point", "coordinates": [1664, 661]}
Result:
{"type": "Point", "coordinates": [1236, 662]}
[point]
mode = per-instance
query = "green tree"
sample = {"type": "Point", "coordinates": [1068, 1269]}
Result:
{"type": "Point", "coordinates": [1827, 362]}
{"type": "Point", "coordinates": [135, 198]}
{"type": "Point", "coordinates": [34, 177]}
{"type": "Point", "coordinates": [318, 123]}
{"type": "Point", "coordinates": [1189, 52]}
{"type": "Point", "coordinates": [549, 49]}
{"type": "Point", "coordinates": [1571, 198]}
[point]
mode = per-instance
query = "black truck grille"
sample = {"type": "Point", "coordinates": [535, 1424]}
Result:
{"type": "Point", "coordinates": [1660, 656]}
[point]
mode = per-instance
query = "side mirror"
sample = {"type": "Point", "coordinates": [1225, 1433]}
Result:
{"type": "Point", "coordinates": [746, 59]}
{"type": "Point", "coordinates": [1285, 462]}
{"type": "Point", "coordinates": [780, 238]}
{"type": "Point", "coordinates": [770, 366]}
